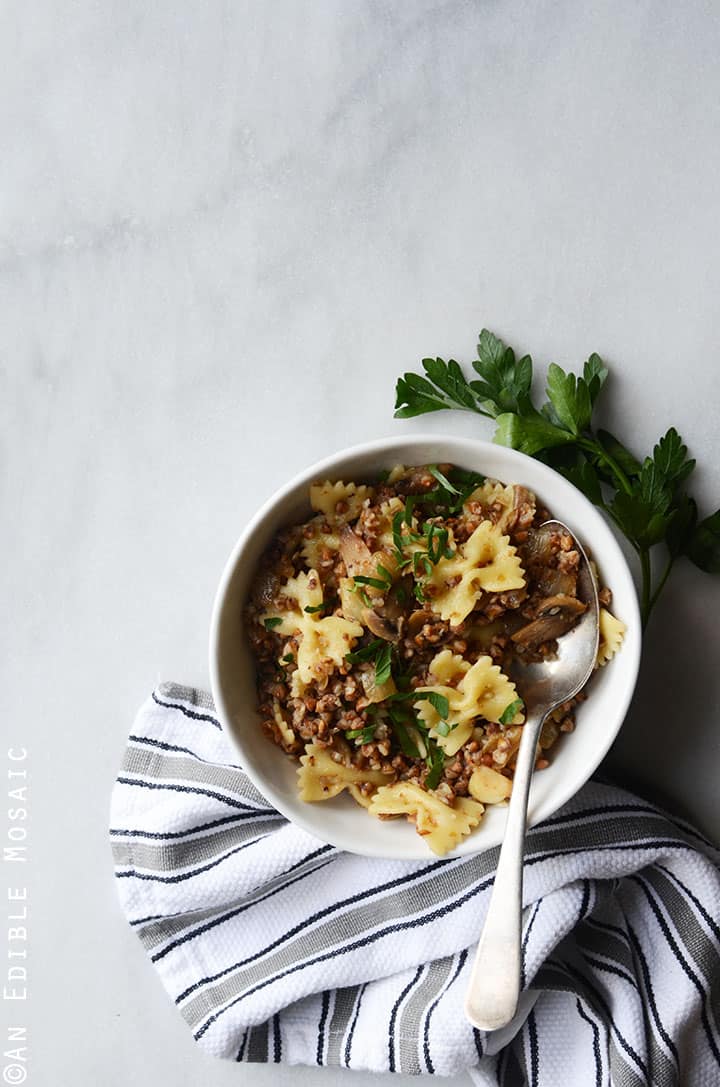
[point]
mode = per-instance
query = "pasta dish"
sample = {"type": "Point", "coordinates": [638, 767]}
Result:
{"type": "Point", "coordinates": [382, 629]}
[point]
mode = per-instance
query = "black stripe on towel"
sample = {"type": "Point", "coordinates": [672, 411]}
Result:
{"type": "Point", "coordinates": [192, 714]}
{"type": "Point", "coordinates": [321, 1029]}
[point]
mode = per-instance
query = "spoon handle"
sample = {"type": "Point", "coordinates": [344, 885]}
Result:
{"type": "Point", "coordinates": [492, 995]}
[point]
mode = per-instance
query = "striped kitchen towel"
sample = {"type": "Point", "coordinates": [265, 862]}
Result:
{"type": "Point", "coordinates": [276, 947]}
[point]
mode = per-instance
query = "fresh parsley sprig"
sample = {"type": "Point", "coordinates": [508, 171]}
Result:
{"type": "Point", "coordinates": [646, 499]}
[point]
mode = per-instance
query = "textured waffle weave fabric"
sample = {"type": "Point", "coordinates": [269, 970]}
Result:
{"type": "Point", "coordinates": [276, 947]}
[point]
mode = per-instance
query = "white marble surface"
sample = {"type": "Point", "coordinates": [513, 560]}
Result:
{"type": "Point", "coordinates": [224, 229]}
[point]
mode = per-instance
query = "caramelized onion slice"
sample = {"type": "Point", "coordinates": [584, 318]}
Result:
{"type": "Point", "coordinates": [556, 614]}
{"type": "Point", "coordinates": [355, 553]}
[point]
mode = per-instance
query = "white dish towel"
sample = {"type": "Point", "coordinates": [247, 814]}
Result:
{"type": "Point", "coordinates": [275, 947]}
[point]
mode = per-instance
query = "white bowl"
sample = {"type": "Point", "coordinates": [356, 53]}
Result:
{"type": "Point", "coordinates": [341, 821]}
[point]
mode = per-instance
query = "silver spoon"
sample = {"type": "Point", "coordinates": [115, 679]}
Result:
{"type": "Point", "coordinates": [492, 996]}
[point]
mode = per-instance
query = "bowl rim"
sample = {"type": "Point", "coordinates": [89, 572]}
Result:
{"type": "Point", "coordinates": [325, 467]}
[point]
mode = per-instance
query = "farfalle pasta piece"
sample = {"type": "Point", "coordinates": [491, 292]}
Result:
{"type": "Point", "coordinates": [446, 666]}
{"type": "Point", "coordinates": [322, 642]}
{"type": "Point", "coordinates": [441, 826]}
{"type": "Point", "coordinates": [482, 690]}
{"type": "Point", "coordinates": [487, 562]}
{"type": "Point", "coordinates": [493, 493]}
{"type": "Point", "coordinates": [319, 544]}
{"type": "Point", "coordinates": [612, 632]}
{"type": "Point", "coordinates": [325, 497]}
{"type": "Point", "coordinates": [321, 778]}
{"type": "Point", "coordinates": [286, 733]}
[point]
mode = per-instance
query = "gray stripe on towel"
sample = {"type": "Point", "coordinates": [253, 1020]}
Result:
{"type": "Point", "coordinates": [174, 856]}
{"type": "Point", "coordinates": [164, 766]}
{"type": "Point", "coordinates": [342, 1014]}
{"type": "Point", "coordinates": [409, 1033]}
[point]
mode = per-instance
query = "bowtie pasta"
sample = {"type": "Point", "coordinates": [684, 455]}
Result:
{"type": "Point", "coordinates": [383, 627]}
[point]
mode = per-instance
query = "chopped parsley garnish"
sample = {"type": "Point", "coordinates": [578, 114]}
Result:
{"type": "Point", "coordinates": [288, 659]}
{"type": "Point", "coordinates": [442, 480]}
{"type": "Point", "coordinates": [410, 503]}
{"type": "Point", "coordinates": [378, 651]}
{"type": "Point", "coordinates": [312, 608]}
{"type": "Point", "coordinates": [272, 622]}
{"type": "Point", "coordinates": [383, 664]}
{"type": "Point", "coordinates": [400, 718]}
{"type": "Point", "coordinates": [361, 579]}
{"type": "Point", "coordinates": [420, 558]}
{"type": "Point", "coordinates": [407, 744]}
{"type": "Point", "coordinates": [439, 702]}
{"type": "Point", "coordinates": [364, 735]}
{"type": "Point", "coordinates": [436, 763]}
{"type": "Point", "coordinates": [510, 712]}
{"type": "Point", "coordinates": [367, 653]}
{"type": "Point", "coordinates": [384, 582]}
{"type": "Point", "coordinates": [437, 542]}
{"type": "Point", "coordinates": [397, 523]}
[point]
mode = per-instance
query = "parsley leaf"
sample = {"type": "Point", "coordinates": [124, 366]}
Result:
{"type": "Point", "coordinates": [448, 377]}
{"type": "Point", "coordinates": [272, 622]}
{"type": "Point", "coordinates": [704, 545]}
{"type": "Point", "coordinates": [400, 718]}
{"type": "Point", "coordinates": [681, 530]}
{"type": "Point", "coordinates": [585, 477]}
{"type": "Point", "coordinates": [436, 763]}
{"type": "Point", "coordinates": [510, 712]}
{"type": "Point", "coordinates": [380, 653]}
{"type": "Point", "coordinates": [530, 432]}
{"type": "Point", "coordinates": [367, 653]}
{"type": "Point", "coordinates": [505, 382]}
{"type": "Point", "coordinates": [439, 702]}
{"type": "Point", "coordinates": [446, 388]}
{"type": "Point", "coordinates": [311, 609]}
{"type": "Point", "coordinates": [442, 480]}
{"type": "Point", "coordinates": [595, 375]}
{"type": "Point", "coordinates": [616, 451]}
{"type": "Point", "coordinates": [376, 582]}
{"type": "Point", "coordinates": [364, 735]}
{"type": "Point", "coordinates": [671, 460]}
{"type": "Point", "coordinates": [570, 403]}
{"type": "Point", "coordinates": [383, 664]}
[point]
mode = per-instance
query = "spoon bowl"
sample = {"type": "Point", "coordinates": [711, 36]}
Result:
{"type": "Point", "coordinates": [552, 682]}
{"type": "Point", "coordinates": [494, 988]}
